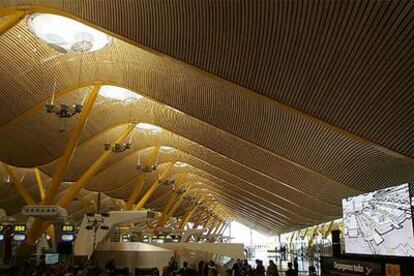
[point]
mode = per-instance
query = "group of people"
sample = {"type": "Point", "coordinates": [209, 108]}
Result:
{"type": "Point", "coordinates": [240, 268]}
{"type": "Point", "coordinates": [203, 268]}
{"type": "Point", "coordinates": [244, 268]}
{"type": "Point", "coordinates": [59, 269]}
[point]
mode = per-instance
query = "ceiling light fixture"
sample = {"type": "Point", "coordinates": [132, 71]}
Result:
{"type": "Point", "coordinates": [146, 168]}
{"type": "Point", "coordinates": [64, 111]}
{"type": "Point", "coordinates": [117, 93]}
{"type": "Point", "coordinates": [167, 182]}
{"type": "Point", "coordinates": [117, 148]}
{"type": "Point", "coordinates": [67, 35]}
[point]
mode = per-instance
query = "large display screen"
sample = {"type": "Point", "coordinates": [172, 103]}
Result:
{"type": "Point", "coordinates": [51, 258]}
{"type": "Point", "coordinates": [379, 223]}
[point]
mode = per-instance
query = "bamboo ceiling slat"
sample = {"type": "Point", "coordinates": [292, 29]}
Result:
{"type": "Point", "coordinates": [304, 101]}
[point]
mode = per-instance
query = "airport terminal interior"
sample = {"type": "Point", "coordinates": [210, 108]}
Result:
{"type": "Point", "coordinates": [206, 137]}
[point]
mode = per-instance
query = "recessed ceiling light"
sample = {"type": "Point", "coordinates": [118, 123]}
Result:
{"type": "Point", "coordinates": [67, 35]}
{"type": "Point", "coordinates": [146, 126]}
{"type": "Point", "coordinates": [119, 94]}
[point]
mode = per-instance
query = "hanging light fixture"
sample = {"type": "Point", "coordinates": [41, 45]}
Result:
{"type": "Point", "coordinates": [65, 111]}
{"type": "Point", "coordinates": [117, 147]}
{"type": "Point", "coordinates": [167, 182]}
{"type": "Point", "coordinates": [146, 168]}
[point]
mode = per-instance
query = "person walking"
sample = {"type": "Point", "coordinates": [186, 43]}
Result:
{"type": "Point", "coordinates": [272, 269]}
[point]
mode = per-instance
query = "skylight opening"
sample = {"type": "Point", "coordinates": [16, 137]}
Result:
{"type": "Point", "coordinates": [66, 35]}
{"type": "Point", "coordinates": [119, 94]}
{"type": "Point", "coordinates": [148, 127]}
{"type": "Point", "coordinates": [167, 149]}
{"type": "Point", "coordinates": [180, 164]}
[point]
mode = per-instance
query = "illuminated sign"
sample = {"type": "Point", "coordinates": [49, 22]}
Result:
{"type": "Point", "coordinates": [68, 237]}
{"type": "Point", "coordinates": [19, 237]}
{"type": "Point", "coordinates": [20, 228]}
{"type": "Point", "coordinates": [1, 237]}
{"type": "Point", "coordinates": [1, 227]}
{"type": "Point", "coordinates": [68, 228]}
{"type": "Point", "coordinates": [51, 258]}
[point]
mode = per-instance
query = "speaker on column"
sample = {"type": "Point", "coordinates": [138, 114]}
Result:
{"type": "Point", "coordinates": [336, 243]}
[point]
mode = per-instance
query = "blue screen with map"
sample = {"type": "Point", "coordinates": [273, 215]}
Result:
{"type": "Point", "coordinates": [379, 223]}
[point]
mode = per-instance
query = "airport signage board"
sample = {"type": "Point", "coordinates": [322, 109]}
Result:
{"type": "Point", "coordinates": [19, 228]}
{"type": "Point", "coordinates": [331, 266]}
{"type": "Point", "coordinates": [68, 228]}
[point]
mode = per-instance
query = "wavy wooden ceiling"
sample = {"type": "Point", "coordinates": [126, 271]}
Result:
{"type": "Point", "coordinates": [281, 107]}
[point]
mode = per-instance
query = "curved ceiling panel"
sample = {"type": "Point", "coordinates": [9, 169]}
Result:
{"type": "Point", "coordinates": [306, 107]}
{"type": "Point", "coordinates": [321, 52]}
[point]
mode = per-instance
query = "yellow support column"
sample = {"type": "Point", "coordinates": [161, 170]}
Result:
{"type": "Point", "coordinates": [167, 207]}
{"type": "Point", "coordinates": [11, 21]}
{"type": "Point", "coordinates": [39, 183]}
{"type": "Point", "coordinates": [141, 180]}
{"type": "Point", "coordinates": [19, 185]}
{"type": "Point", "coordinates": [208, 222]}
{"type": "Point", "coordinates": [135, 193]}
{"type": "Point", "coordinates": [211, 217]}
{"type": "Point", "coordinates": [64, 160]}
{"type": "Point", "coordinates": [172, 210]}
{"type": "Point", "coordinates": [198, 221]}
{"type": "Point", "coordinates": [212, 226]}
{"type": "Point", "coordinates": [221, 228]}
{"type": "Point", "coordinates": [153, 188]}
{"type": "Point", "coordinates": [315, 231]}
{"type": "Point", "coordinates": [39, 226]}
{"type": "Point", "coordinates": [176, 205]}
{"type": "Point", "coordinates": [187, 216]}
{"type": "Point", "coordinates": [328, 230]}
{"type": "Point", "coordinates": [73, 191]}
{"type": "Point", "coordinates": [218, 227]}
{"type": "Point", "coordinates": [170, 207]}
{"type": "Point", "coordinates": [305, 232]}
{"type": "Point", "coordinates": [213, 230]}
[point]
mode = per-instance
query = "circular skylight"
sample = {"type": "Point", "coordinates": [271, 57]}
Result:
{"type": "Point", "coordinates": [119, 94]}
{"type": "Point", "coordinates": [146, 126]}
{"type": "Point", "coordinates": [67, 35]}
